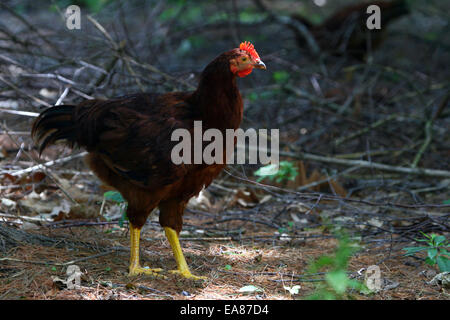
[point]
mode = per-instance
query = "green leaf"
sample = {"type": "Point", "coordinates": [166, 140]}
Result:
{"type": "Point", "coordinates": [410, 251]}
{"type": "Point", "coordinates": [443, 263]}
{"type": "Point", "coordinates": [337, 280]}
{"type": "Point", "coordinates": [439, 240]}
{"type": "Point", "coordinates": [253, 96]}
{"type": "Point", "coordinates": [268, 170]}
{"type": "Point", "coordinates": [284, 171]}
{"type": "Point", "coordinates": [282, 230]}
{"type": "Point", "coordinates": [324, 261]}
{"type": "Point", "coordinates": [281, 76]}
{"type": "Point", "coordinates": [429, 261]}
{"type": "Point", "coordinates": [361, 287]}
{"type": "Point", "coordinates": [114, 196]}
{"type": "Point", "coordinates": [427, 236]}
{"type": "Point", "coordinates": [227, 267]}
{"type": "Point", "coordinates": [432, 253]}
{"type": "Point", "coordinates": [169, 13]}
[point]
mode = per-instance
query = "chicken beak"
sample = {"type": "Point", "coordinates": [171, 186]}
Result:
{"type": "Point", "coordinates": [259, 65]}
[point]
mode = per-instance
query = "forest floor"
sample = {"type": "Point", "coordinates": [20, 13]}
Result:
{"type": "Point", "coordinates": [234, 249]}
{"type": "Point", "coordinates": [369, 142]}
{"type": "Point", "coordinates": [29, 271]}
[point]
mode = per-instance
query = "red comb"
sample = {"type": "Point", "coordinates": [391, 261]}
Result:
{"type": "Point", "coordinates": [247, 46]}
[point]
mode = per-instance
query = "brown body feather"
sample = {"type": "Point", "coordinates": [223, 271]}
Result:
{"type": "Point", "coordinates": [129, 140]}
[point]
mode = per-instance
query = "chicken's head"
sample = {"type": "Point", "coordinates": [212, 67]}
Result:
{"type": "Point", "coordinates": [246, 59]}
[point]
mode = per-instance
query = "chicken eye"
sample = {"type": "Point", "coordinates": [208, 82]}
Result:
{"type": "Point", "coordinates": [243, 59]}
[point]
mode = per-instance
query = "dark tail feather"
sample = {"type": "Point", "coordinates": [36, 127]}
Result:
{"type": "Point", "coordinates": [55, 123]}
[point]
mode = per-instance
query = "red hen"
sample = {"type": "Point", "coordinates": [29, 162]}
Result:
{"type": "Point", "coordinates": [129, 144]}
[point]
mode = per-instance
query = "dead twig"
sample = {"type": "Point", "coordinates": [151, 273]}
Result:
{"type": "Point", "coordinates": [365, 130]}
{"type": "Point", "coordinates": [23, 93]}
{"type": "Point", "coordinates": [368, 165]}
{"type": "Point", "coordinates": [429, 132]}
{"type": "Point", "coordinates": [45, 165]}
{"type": "Point", "coordinates": [52, 176]}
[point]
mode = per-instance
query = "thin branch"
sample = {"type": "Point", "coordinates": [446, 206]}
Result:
{"type": "Point", "coordinates": [368, 164]}
{"type": "Point", "coordinates": [359, 133]}
{"type": "Point", "coordinates": [45, 165]}
{"type": "Point", "coordinates": [23, 93]}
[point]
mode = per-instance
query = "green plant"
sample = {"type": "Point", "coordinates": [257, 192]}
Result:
{"type": "Point", "coordinates": [281, 76]}
{"type": "Point", "coordinates": [119, 200]}
{"type": "Point", "coordinates": [290, 228]}
{"type": "Point", "coordinates": [282, 172]}
{"type": "Point", "coordinates": [336, 282]}
{"type": "Point", "coordinates": [436, 252]}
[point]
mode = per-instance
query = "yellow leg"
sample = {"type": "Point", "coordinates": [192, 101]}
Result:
{"type": "Point", "coordinates": [135, 268]}
{"type": "Point", "coordinates": [183, 268]}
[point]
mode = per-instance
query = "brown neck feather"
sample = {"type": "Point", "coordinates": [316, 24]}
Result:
{"type": "Point", "coordinates": [217, 96]}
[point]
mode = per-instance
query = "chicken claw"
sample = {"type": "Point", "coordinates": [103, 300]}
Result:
{"type": "Point", "coordinates": [188, 275]}
{"type": "Point", "coordinates": [135, 271]}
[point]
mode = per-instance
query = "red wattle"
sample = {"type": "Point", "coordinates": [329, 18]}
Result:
{"type": "Point", "coordinates": [245, 72]}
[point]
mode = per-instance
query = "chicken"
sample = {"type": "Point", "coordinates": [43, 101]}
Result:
{"type": "Point", "coordinates": [346, 32]}
{"type": "Point", "coordinates": [129, 145]}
